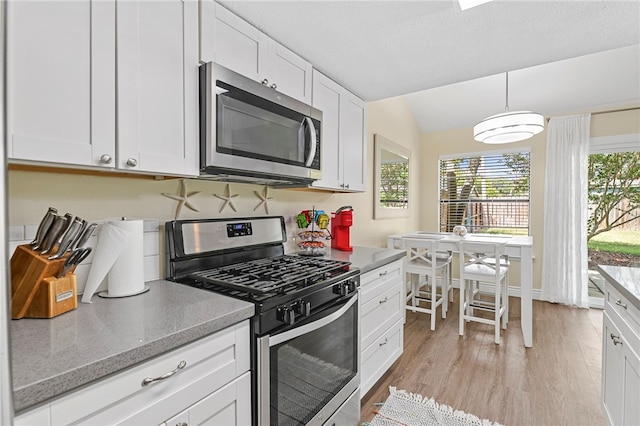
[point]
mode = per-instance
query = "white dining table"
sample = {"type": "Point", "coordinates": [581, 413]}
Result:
{"type": "Point", "coordinates": [517, 247]}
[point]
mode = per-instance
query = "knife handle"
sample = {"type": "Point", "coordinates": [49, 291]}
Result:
{"type": "Point", "coordinates": [45, 224]}
{"type": "Point", "coordinates": [74, 242]}
{"type": "Point", "coordinates": [85, 235]}
{"type": "Point", "coordinates": [61, 235]}
{"type": "Point", "coordinates": [67, 238]}
{"type": "Point", "coordinates": [52, 235]}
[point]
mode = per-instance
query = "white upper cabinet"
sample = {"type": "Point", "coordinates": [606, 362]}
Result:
{"type": "Point", "coordinates": [235, 44]}
{"type": "Point", "coordinates": [79, 70]}
{"type": "Point", "coordinates": [61, 81]}
{"type": "Point", "coordinates": [157, 73]}
{"type": "Point", "coordinates": [343, 155]}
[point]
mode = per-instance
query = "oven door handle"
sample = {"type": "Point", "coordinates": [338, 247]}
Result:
{"type": "Point", "coordinates": [312, 326]}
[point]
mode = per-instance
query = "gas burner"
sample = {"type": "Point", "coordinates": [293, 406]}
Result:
{"type": "Point", "coordinates": [272, 275]}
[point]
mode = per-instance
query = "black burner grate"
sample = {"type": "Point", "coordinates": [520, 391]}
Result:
{"type": "Point", "coordinates": [271, 275]}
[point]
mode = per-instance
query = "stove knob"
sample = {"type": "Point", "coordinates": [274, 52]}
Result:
{"type": "Point", "coordinates": [341, 289]}
{"type": "Point", "coordinates": [286, 315]}
{"type": "Point", "coordinates": [303, 308]}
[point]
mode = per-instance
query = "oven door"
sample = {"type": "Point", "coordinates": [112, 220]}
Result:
{"type": "Point", "coordinates": [306, 373]}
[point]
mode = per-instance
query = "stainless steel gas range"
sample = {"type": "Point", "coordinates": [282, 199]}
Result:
{"type": "Point", "coordinates": [305, 346]}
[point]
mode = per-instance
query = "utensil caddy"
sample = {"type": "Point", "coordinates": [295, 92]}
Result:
{"type": "Point", "coordinates": [36, 291]}
{"type": "Point", "coordinates": [310, 244]}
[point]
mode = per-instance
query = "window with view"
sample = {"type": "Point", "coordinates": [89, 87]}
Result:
{"type": "Point", "coordinates": [487, 193]}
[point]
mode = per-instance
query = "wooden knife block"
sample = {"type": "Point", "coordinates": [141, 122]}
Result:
{"type": "Point", "coordinates": [35, 290]}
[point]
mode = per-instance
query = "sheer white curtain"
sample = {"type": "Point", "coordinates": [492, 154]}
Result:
{"type": "Point", "coordinates": [564, 256]}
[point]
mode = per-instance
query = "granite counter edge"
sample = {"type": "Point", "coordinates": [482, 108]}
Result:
{"type": "Point", "coordinates": [619, 286]}
{"type": "Point", "coordinates": [44, 391]}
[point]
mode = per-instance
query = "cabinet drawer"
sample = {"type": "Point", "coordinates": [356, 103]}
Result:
{"type": "Point", "coordinates": [378, 357]}
{"type": "Point", "coordinates": [211, 362]}
{"type": "Point", "coordinates": [379, 313]}
{"type": "Point", "coordinates": [230, 405]}
{"type": "Point", "coordinates": [614, 301]}
{"type": "Point", "coordinates": [376, 282]}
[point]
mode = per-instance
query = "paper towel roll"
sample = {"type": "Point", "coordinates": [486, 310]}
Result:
{"type": "Point", "coordinates": [126, 276]}
{"type": "Point", "coordinates": [119, 257]}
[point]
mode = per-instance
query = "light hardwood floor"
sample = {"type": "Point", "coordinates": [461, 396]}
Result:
{"type": "Point", "coordinates": [557, 382]}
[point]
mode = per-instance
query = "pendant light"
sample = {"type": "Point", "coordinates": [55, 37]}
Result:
{"type": "Point", "coordinates": [509, 126]}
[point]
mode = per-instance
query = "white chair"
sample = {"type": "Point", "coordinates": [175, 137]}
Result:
{"type": "Point", "coordinates": [478, 265]}
{"type": "Point", "coordinates": [424, 259]}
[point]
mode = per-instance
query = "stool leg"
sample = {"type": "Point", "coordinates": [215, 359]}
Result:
{"type": "Point", "coordinates": [445, 294]}
{"type": "Point", "coordinates": [496, 320]}
{"type": "Point", "coordinates": [505, 303]}
{"type": "Point", "coordinates": [462, 308]}
{"type": "Point", "coordinates": [434, 288]}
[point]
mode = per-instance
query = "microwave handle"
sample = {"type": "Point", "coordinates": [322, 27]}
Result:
{"type": "Point", "coordinates": [311, 131]}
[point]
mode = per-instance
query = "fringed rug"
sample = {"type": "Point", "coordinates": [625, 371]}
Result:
{"type": "Point", "coordinates": [412, 409]}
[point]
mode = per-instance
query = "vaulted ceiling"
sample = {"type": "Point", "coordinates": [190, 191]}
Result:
{"type": "Point", "coordinates": [563, 57]}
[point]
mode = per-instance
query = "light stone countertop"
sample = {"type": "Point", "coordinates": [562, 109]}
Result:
{"type": "Point", "coordinates": [54, 356]}
{"type": "Point", "coordinates": [625, 280]}
{"type": "Point", "coordinates": [366, 258]}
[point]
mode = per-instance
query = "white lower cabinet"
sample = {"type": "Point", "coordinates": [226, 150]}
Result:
{"type": "Point", "coordinates": [210, 382]}
{"type": "Point", "coordinates": [620, 360]}
{"type": "Point", "coordinates": [230, 405]}
{"type": "Point", "coordinates": [381, 321]}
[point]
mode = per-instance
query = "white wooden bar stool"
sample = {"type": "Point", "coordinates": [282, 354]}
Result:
{"type": "Point", "coordinates": [478, 264]}
{"type": "Point", "coordinates": [425, 260]}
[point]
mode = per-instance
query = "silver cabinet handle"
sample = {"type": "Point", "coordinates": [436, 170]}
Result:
{"type": "Point", "coordinates": [620, 303]}
{"type": "Point", "coordinates": [182, 424]}
{"type": "Point", "coordinates": [105, 159]}
{"type": "Point", "coordinates": [265, 82]}
{"type": "Point", "coordinates": [386, 340]}
{"type": "Point", "coordinates": [274, 86]}
{"type": "Point", "coordinates": [616, 339]}
{"type": "Point", "coordinates": [149, 380]}
{"type": "Point", "coordinates": [132, 162]}
{"type": "Point", "coordinates": [382, 274]}
{"type": "Point", "coordinates": [386, 299]}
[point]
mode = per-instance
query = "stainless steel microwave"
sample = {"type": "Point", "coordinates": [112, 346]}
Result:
{"type": "Point", "coordinates": [251, 133]}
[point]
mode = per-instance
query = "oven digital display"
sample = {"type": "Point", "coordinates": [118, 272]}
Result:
{"type": "Point", "coordinates": [239, 229]}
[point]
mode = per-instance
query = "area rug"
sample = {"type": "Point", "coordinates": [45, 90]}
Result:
{"type": "Point", "coordinates": [412, 409]}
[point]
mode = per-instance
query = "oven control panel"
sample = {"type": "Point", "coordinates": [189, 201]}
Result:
{"type": "Point", "coordinates": [240, 229]}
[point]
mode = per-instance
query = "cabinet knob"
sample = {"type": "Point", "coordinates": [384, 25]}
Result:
{"type": "Point", "coordinates": [616, 339]}
{"type": "Point", "coordinates": [620, 303]}
{"type": "Point", "coordinates": [346, 186]}
{"type": "Point", "coordinates": [274, 86]}
{"type": "Point", "coordinates": [149, 380]}
{"type": "Point", "coordinates": [106, 159]}
{"type": "Point", "coordinates": [132, 162]}
{"type": "Point", "coordinates": [265, 82]}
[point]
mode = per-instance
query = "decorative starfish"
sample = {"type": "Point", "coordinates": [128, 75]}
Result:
{"type": "Point", "coordinates": [264, 199]}
{"type": "Point", "coordinates": [182, 198]}
{"type": "Point", "coordinates": [227, 198]}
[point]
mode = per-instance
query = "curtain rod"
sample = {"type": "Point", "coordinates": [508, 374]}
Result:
{"type": "Point", "coordinates": [608, 111]}
{"type": "Point", "coordinates": [615, 110]}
